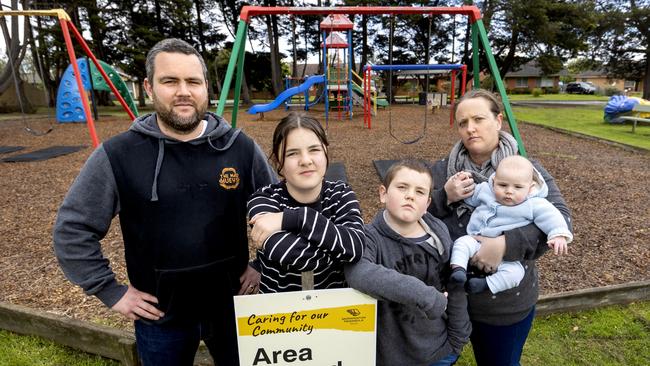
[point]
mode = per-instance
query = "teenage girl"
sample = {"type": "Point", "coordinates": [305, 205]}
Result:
{"type": "Point", "coordinates": [304, 222]}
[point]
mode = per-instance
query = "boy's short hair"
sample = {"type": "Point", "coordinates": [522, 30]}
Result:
{"type": "Point", "coordinates": [413, 164]}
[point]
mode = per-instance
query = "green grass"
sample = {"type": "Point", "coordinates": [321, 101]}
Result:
{"type": "Point", "coordinates": [587, 121]}
{"type": "Point", "coordinates": [547, 97]}
{"type": "Point", "coordinates": [18, 350]}
{"type": "Point", "coordinates": [617, 335]}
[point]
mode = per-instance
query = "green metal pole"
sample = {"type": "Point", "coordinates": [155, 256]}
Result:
{"type": "Point", "coordinates": [238, 81]}
{"type": "Point", "coordinates": [240, 41]}
{"type": "Point", "coordinates": [476, 68]}
{"type": "Point", "coordinates": [499, 83]}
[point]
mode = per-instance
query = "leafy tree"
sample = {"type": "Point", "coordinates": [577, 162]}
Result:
{"type": "Point", "coordinates": [547, 31]}
{"type": "Point", "coordinates": [622, 40]}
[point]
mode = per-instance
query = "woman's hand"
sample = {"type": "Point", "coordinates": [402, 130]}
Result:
{"type": "Point", "coordinates": [263, 226]}
{"type": "Point", "coordinates": [490, 255]}
{"type": "Point", "coordinates": [459, 186]}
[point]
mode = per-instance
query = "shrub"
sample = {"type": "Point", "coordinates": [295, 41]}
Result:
{"type": "Point", "coordinates": [610, 90]}
{"type": "Point", "coordinates": [537, 92]}
{"type": "Point", "coordinates": [551, 90]}
{"type": "Point", "coordinates": [520, 91]}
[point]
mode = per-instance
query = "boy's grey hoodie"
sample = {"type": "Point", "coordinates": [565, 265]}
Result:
{"type": "Point", "coordinates": [93, 201]}
{"type": "Point", "coordinates": [417, 324]}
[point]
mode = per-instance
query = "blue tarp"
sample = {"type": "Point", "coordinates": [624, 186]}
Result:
{"type": "Point", "coordinates": [618, 105]}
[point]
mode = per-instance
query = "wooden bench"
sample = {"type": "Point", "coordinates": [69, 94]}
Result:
{"type": "Point", "coordinates": [636, 117]}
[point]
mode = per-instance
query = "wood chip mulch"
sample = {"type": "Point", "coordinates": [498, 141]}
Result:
{"type": "Point", "coordinates": [605, 186]}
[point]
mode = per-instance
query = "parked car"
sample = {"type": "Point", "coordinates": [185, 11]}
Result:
{"type": "Point", "coordinates": [580, 87]}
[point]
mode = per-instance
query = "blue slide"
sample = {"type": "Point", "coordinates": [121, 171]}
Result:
{"type": "Point", "coordinates": [259, 108]}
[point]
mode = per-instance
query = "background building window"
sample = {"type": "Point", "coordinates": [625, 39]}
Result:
{"type": "Point", "coordinates": [547, 83]}
{"type": "Point", "coordinates": [522, 83]}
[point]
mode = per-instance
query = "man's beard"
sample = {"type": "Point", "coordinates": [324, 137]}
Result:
{"type": "Point", "coordinates": [179, 123]}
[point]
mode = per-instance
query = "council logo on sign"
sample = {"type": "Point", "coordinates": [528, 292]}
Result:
{"type": "Point", "coordinates": [355, 318]}
{"type": "Point", "coordinates": [229, 178]}
{"type": "Point", "coordinates": [354, 312]}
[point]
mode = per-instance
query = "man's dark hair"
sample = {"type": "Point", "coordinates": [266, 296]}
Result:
{"type": "Point", "coordinates": [172, 45]}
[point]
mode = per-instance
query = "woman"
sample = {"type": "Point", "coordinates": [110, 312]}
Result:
{"type": "Point", "coordinates": [500, 322]}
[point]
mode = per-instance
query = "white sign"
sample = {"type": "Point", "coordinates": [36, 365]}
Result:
{"type": "Point", "coordinates": [321, 327]}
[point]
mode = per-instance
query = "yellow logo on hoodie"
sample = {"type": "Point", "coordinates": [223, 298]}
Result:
{"type": "Point", "coordinates": [229, 178]}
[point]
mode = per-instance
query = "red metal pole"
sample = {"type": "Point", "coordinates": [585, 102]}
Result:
{"type": "Point", "coordinates": [101, 71]}
{"type": "Point", "coordinates": [453, 97]}
{"type": "Point", "coordinates": [370, 101]}
{"type": "Point", "coordinates": [80, 85]}
{"type": "Point", "coordinates": [247, 12]}
{"type": "Point", "coordinates": [365, 98]}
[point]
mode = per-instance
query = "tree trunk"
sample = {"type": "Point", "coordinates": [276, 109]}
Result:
{"type": "Point", "coordinates": [276, 65]}
{"type": "Point", "coordinates": [96, 25]}
{"type": "Point", "coordinates": [364, 43]}
{"type": "Point", "coordinates": [272, 38]}
{"type": "Point", "coordinates": [245, 92]}
{"type": "Point", "coordinates": [646, 80]}
{"type": "Point", "coordinates": [158, 15]}
{"type": "Point", "coordinates": [141, 94]}
{"type": "Point", "coordinates": [216, 74]}
{"type": "Point", "coordinates": [43, 72]}
{"type": "Point", "coordinates": [294, 40]}
{"type": "Point", "coordinates": [199, 25]}
{"type": "Point", "coordinates": [50, 83]}
{"type": "Point", "coordinates": [15, 57]}
{"type": "Point", "coordinates": [304, 66]}
{"type": "Point", "coordinates": [510, 57]}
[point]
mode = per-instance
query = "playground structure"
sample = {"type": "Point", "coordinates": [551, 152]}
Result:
{"type": "Point", "coordinates": [68, 103]}
{"type": "Point", "coordinates": [66, 27]}
{"type": "Point", "coordinates": [302, 88]}
{"type": "Point", "coordinates": [304, 100]}
{"type": "Point", "coordinates": [339, 83]}
{"type": "Point", "coordinates": [370, 95]}
{"type": "Point", "coordinates": [478, 37]}
{"type": "Point", "coordinates": [337, 79]}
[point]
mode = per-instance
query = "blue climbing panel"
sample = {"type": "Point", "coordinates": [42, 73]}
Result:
{"type": "Point", "coordinates": [68, 102]}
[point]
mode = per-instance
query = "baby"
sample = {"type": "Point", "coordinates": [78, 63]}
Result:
{"type": "Point", "coordinates": [514, 196]}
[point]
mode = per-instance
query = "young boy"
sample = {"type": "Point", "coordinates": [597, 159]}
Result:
{"type": "Point", "coordinates": [405, 264]}
{"type": "Point", "coordinates": [514, 196]}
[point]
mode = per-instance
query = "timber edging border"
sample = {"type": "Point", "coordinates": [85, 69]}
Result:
{"type": "Point", "coordinates": [120, 345]}
{"type": "Point", "coordinates": [592, 298]}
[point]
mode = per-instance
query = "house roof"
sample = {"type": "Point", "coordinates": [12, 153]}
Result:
{"type": "Point", "coordinates": [592, 74]}
{"type": "Point", "coordinates": [531, 69]}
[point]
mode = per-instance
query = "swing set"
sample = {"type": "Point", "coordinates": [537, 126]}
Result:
{"type": "Point", "coordinates": [66, 27]}
{"type": "Point", "coordinates": [478, 36]}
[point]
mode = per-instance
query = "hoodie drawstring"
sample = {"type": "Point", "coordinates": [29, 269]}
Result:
{"type": "Point", "coordinates": [161, 154]}
{"type": "Point", "coordinates": [228, 144]}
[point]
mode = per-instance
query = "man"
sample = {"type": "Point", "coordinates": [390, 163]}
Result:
{"type": "Point", "coordinates": [179, 179]}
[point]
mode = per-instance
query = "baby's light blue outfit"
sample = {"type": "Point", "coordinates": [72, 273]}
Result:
{"type": "Point", "coordinates": [491, 219]}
